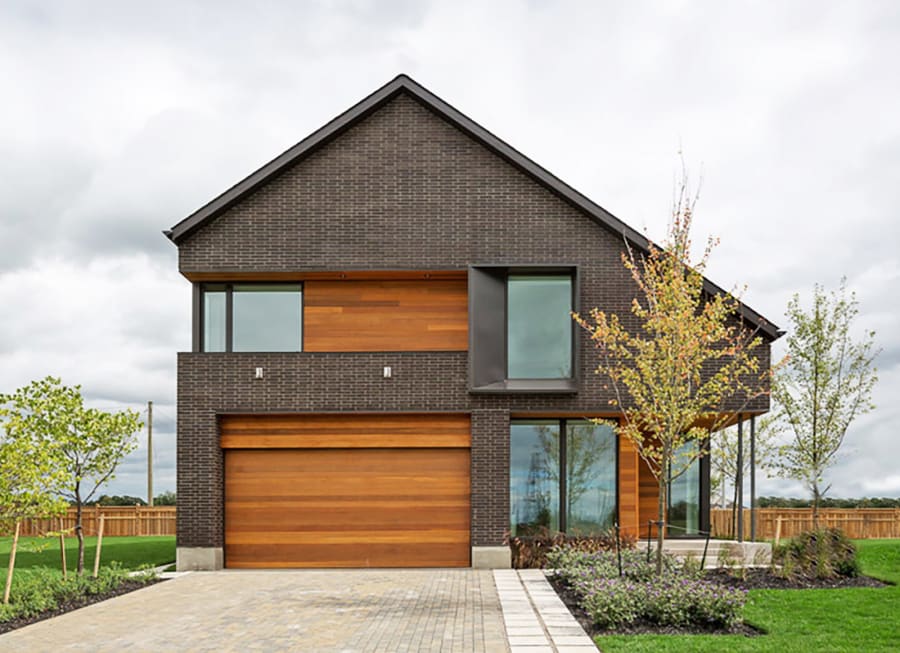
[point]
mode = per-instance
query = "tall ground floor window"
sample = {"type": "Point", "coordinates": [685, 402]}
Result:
{"type": "Point", "coordinates": [562, 476]}
{"type": "Point", "coordinates": [685, 497]}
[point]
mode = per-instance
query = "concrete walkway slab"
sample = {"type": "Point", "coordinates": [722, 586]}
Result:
{"type": "Point", "coordinates": [530, 603]}
{"type": "Point", "coordinates": [352, 611]}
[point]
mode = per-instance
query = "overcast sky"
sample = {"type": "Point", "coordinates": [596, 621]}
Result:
{"type": "Point", "coordinates": [121, 118]}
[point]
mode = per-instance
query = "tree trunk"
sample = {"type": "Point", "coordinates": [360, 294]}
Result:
{"type": "Point", "coordinates": [660, 524]}
{"type": "Point", "coordinates": [79, 530]}
{"type": "Point", "coordinates": [815, 507]}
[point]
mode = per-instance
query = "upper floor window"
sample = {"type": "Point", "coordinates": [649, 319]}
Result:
{"type": "Point", "coordinates": [521, 331]}
{"type": "Point", "coordinates": [251, 317]}
{"type": "Point", "coordinates": [538, 327]}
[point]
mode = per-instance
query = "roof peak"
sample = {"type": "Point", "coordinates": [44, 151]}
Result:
{"type": "Point", "coordinates": [373, 102]}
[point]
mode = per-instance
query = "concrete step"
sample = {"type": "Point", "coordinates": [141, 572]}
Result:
{"type": "Point", "coordinates": [719, 553]}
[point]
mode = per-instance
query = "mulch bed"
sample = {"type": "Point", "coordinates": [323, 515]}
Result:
{"type": "Point", "coordinates": [764, 579]}
{"type": "Point", "coordinates": [124, 588]}
{"type": "Point", "coordinates": [754, 579]}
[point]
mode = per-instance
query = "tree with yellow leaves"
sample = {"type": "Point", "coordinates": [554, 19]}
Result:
{"type": "Point", "coordinates": [685, 365]}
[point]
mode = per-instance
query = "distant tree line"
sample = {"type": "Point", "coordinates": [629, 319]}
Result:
{"type": "Point", "coordinates": [164, 499]}
{"type": "Point", "coordinates": [827, 502]}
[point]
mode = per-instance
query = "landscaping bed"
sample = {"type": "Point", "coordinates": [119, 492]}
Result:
{"type": "Point", "coordinates": [752, 579]}
{"type": "Point", "coordinates": [626, 592]}
{"type": "Point", "coordinates": [40, 592]}
{"type": "Point", "coordinates": [75, 603]}
{"type": "Point", "coordinates": [765, 579]}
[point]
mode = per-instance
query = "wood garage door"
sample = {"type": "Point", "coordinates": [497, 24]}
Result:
{"type": "Point", "coordinates": [347, 490]}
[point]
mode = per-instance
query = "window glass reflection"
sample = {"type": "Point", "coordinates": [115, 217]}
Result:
{"type": "Point", "coordinates": [590, 477]}
{"type": "Point", "coordinates": [534, 477]}
{"type": "Point", "coordinates": [214, 320]}
{"type": "Point", "coordinates": [684, 496]}
{"type": "Point", "coordinates": [539, 327]}
{"type": "Point", "coordinates": [266, 318]}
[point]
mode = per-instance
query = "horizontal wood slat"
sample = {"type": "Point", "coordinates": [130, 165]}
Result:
{"type": "Point", "coordinates": [405, 507]}
{"type": "Point", "coordinates": [378, 315]}
{"type": "Point", "coordinates": [344, 431]}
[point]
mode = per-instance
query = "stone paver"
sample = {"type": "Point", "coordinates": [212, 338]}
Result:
{"type": "Point", "coordinates": [358, 611]}
{"type": "Point", "coordinates": [537, 621]}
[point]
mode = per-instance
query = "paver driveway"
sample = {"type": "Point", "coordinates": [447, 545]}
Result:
{"type": "Point", "coordinates": [360, 610]}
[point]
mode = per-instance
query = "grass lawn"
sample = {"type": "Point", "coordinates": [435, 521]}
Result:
{"type": "Point", "coordinates": [853, 619]}
{"type": "Point", "coordinates": [132, 552]}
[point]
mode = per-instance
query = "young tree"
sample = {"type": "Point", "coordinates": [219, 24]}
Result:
{"type": "Point", "coordinates": [82, 445]}
{"type": "Point", "coordinates": [27, 478]}
{"type": "Point", "coordinates": [826, 384]}
{"type": "Point", "coordinates": [686, 360]}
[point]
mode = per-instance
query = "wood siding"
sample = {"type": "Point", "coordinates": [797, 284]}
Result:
{"type": "Point", "coordinates": [398, 315]}
{"type": "Point", "coordinates": [345, 431]}
{"type": "Point", "coordinates": [649, 498]}
{"type": "Point", "coordinates": [628, 487]}
{"type": "Point", "coordinates": [381, 495]}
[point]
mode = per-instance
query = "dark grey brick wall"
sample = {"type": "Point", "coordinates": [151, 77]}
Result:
{"type": "Point", "coordinates": [401, 190]}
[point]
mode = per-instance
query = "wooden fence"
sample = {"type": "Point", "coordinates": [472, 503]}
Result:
{"type": "Point", "coordinates": [857, 523]}
{"type": "Point", "coordinates": [117, 521]}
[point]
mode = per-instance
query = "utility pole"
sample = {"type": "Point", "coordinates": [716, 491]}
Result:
{"type": "Point", "coordinates": [149, 453]}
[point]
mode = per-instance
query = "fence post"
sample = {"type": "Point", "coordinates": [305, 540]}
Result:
{"type": "Point", "coordinates": [777, 530]}
{"type": "Point", "coordinates": [12, 562]}
{"type": "Point", "coordinates": [99, 545]}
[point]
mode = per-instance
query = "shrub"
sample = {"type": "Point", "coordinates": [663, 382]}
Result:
{"type": "Point", "coordinates": [569, 561]}
{"type": "Point", "coordinates": [826, 553]}
{"type": "Point", "coordinates": [678, 597]}
{"type": "Point", "coordinates": [41, 589]}
{"type": "Point", "coordinates": [530, 551]}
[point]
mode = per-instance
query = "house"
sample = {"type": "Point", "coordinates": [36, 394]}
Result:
{"type": "Point", "coordinates": [384, 371]}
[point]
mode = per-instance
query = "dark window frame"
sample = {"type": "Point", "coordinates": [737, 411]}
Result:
{"type": "Point", "coordinates": [227, 287]}
{"type": "Point", "coordinates": [488, 323]}
{"type": "Point", "coordinates": [563, 423]}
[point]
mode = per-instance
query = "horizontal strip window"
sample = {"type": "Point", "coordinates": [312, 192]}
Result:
{"type": "Point", "coordinates": [251, 317]}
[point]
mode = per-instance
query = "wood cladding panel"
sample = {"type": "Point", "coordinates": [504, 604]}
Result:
{"type": "Point", "coordinates": [347, 507]}
{"type": "Point", "coordinates": [385, 315]}
{"type": "Point", "coordinates": [648, 505]}
{"type": "Point", "coordinates": [629, 492]}
{"type": "Point", "coordinates": [369, 430]}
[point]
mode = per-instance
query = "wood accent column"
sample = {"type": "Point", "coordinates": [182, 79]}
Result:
{"type": "Point", "coordinates": [629, 495]}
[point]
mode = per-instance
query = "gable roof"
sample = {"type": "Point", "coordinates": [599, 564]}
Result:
{"type": "Point", "coordinates": [382, 96]}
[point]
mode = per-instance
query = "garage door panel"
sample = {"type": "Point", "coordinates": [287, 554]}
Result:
{"type": "Point", "coordinates": [345, 431]}
{"type": "Point", "coordinates": [383, 516]}
{"type": "Point", "coordinates": [352, 507]}
{"type": "Point", "coordinates": [349, 536]}
{"type": "Point", "coordinates": [348, 555]}
{"type": "Point", "coordinates": [377, 460]}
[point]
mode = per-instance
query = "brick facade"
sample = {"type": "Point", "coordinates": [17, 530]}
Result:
{"type": "Point", "coordinates": [403, 189]}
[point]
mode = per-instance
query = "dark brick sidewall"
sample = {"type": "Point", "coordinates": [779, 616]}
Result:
{"type": "Point", "coordinates": [401, 190]}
